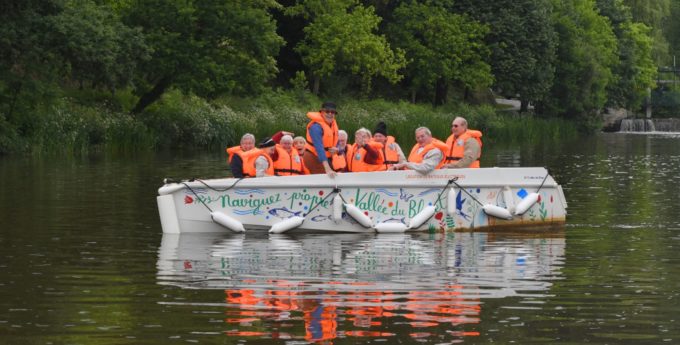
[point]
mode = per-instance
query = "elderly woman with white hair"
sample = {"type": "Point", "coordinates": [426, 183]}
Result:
{"type": "Point", "coordinates": [287, 161]}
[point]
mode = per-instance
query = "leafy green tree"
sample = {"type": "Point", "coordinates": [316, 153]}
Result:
{"type": "Point", "coordinates": [672, 33]}
{"type": "Point", "coordinates": [586, 55]}
{"type": "Point", "coordinates": [522, 42]}
{"type": "Point", "coordinates": [28, 67]}
{"type": "Point", "coordinates": [95, 46]}
{"type": "Point", "coordinates": [207, 47]}
{"type": "Point", "coordinates": [636, 70]}
{"type": "Point", "coordinates": [341, 38]}
{"type": "Point", "coordinates": [655, 14]}
{"type": "Point", "coordinates": [441, 48]}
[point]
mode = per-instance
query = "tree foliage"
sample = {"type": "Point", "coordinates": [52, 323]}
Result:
{"type": "Point", "coordinates": [635, 71]}
{"type": "Point", "coordinates": [522, 41]}
{"type": "Point", "coordinates": [207, 47]}
{"type": "Point", "coordinates": [441, 47]}
{"type": "Point", "coordinates": [341, 38]}
{"type": "Point", "coordinates": [585, 58]}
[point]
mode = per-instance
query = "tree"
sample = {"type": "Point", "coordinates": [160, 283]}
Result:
{"type": "Point", "coordinates": [586, 55]}
{"type": "Point", "coordinates": [340, 37]}
{"type": "Point", "coordinates": [441, 48]}
{"type": "Point", "coordinates": [522, 42]}
{"type": "Point", "coordinates": [207, 47]}
{"type": "Point", "coordinates": [654, 14]}
{"type": "Point", "coordinates": [95, 46]}
{"type": "Point", "coordinates": [635, 70]}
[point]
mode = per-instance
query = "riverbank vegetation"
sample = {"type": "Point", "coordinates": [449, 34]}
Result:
{"type": "Point", "coordinates": [80, 74]}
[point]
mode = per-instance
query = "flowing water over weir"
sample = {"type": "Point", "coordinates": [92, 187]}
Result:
{"type": "Point", "coordinates": [83, 261]}
{"type": "Point", "coordinates": [650, 125]}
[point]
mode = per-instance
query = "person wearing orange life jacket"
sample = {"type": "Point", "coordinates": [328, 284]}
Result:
{"type": "Point", "coordinates": [426, 155]}
{"type": "Point", "coordinates": [259, 163]}
{"type": "Point", "coordinates": [237, 155]}
{"type": "Point", "coordinates": [364, 154]}
{"type": "Point", "coordinates": [322, 138]}
{"type": "Point", "coordinates": [287, 162]}
{"type": "Point", "coordinates": [391, 152]}
{"type": "Point", "coordinates": [464, 146]}
{"type": "Point", "coordinates": [299, 143]}
{"type": "Point", "coordinates": [339, 159]}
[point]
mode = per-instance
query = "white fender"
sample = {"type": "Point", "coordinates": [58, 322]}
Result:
{"type": "Point", "coordinates": [451, 202]}
{"type": "Point", "coordinates": [422, 217]}
{"type": "Point", "coordinates": [359, 216]}
{"type": "Point", "coordinates": [509, 199]}
{"type": "Point", "coordinates": [227, 222]}
{"type": "Point", "coordinates": [286, 224]}
{"type": "Point", "coordinates": [391, 227]}
{"type": "Point", "coordinates": [337, 208]}
{"type": "Point", "coordinates": [497, 211]}
{"type": "Point", "coordinates": [526, 203]}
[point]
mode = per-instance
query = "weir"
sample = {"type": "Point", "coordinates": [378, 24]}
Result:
{"type": "Point", "coordinates": [650, 125]}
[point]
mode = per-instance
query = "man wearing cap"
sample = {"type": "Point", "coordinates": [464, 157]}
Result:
{"type": "Point", "coordinates": [391, 152]}
{"type": "Point", "coordinates": [322, 138]}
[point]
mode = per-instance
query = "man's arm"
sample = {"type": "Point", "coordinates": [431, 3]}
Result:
{"type": "Point", "coordinates": [429, 163]}
{"type": "Point", "coordinates": [372, 155]}
{"type": "Point", "coordinates": [316, 132]}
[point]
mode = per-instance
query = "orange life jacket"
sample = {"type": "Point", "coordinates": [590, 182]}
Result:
{"type": "Point", "coordinates": [339, 162]}
{"type": "Point", "coordinates": [456, 149]}
{"type": "Point", "coordinates": [245, 156]}
{"type": "Point", "coordinates": [415, 157]}
{"type": "Point", "coordinates": [389, 155]}
{"type": "Point", "coordinates": [330, 133]}
{"type": "Point", "coordinates": [249, 163]}
{"type": "Point", "coordinates": [288, 163]}
{"type": "Point", "coordinates": [234, 150]}
{"type": "Point", "coordinates": [355, 158]}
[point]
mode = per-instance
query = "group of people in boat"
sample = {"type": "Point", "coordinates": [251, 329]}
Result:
{"type": "Point", "coordinates": [326, 149]}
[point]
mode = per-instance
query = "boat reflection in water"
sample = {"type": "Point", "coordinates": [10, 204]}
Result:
{"type": "Point", "coordinates": [361, 285]}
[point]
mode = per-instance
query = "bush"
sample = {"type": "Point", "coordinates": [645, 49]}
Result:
{"type": "Point", "coordinates": [666, 103]}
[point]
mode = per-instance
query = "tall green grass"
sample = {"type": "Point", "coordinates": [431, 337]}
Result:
{"type": "Point", "coordinates": [77, 125]}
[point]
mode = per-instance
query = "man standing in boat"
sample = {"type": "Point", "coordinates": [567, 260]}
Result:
{"type": "Point", "coordinates": [322, 138]}
{"type": "Point", "coordinates": [427, 154]}
{"type": "Point", "coordinates": [464, 146]}
{"type": "Point", "coordinates": [391, 151]}
{"type": "Point", "coordinates": [237, 154]}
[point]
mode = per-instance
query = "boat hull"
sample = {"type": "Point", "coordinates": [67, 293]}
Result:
{"type": "Point", "coordinates": [457, 196]}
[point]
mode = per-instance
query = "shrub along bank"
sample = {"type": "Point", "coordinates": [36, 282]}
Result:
{"type": "Point", "coordinates": [75, 125]}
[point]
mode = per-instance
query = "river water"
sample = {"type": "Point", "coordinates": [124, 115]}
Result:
{"type": "Point", "coordinates": [83, 261]}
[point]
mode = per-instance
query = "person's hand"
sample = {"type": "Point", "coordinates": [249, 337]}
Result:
{"type": "Point", "coordinates": [333, 150]}
{"type": "Point", "coordinates": [398, 166]}
{"type": "Point", "coordinates": [329, 170]}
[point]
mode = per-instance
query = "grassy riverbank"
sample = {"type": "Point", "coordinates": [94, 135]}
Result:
{"type": "Point", "coordinates": [84, 123]}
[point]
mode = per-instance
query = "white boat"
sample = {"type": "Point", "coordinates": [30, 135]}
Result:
{"type": "Point", "coordinates": [390, 201]}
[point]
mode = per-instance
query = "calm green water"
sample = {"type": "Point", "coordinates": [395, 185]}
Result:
{"type": "Point", "coordinates": [83, 261]}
